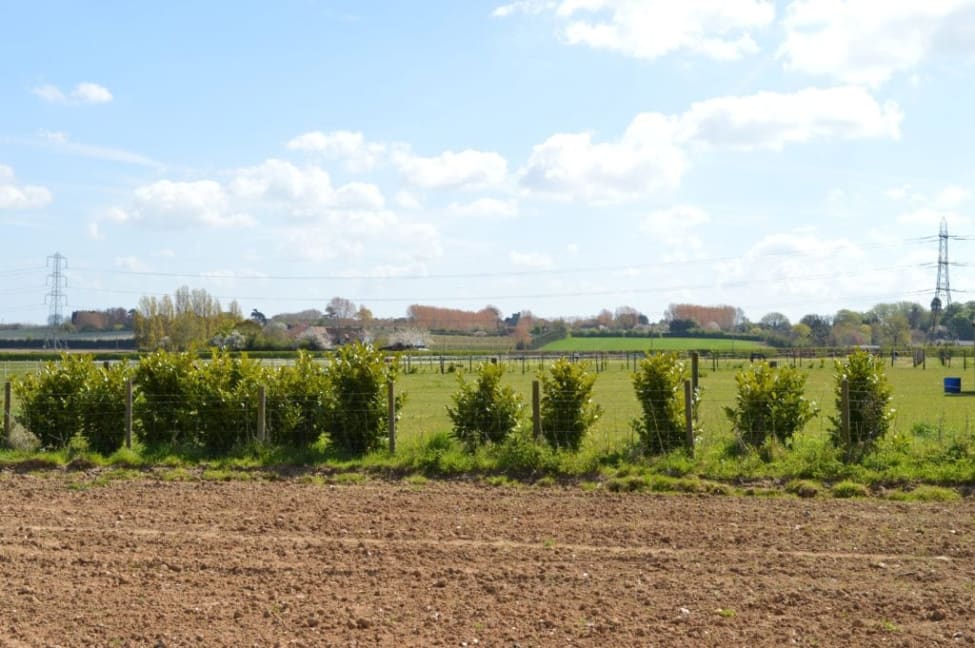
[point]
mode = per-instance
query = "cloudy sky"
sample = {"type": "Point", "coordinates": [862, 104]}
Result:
{"type": "Point", "coordinates": [561, 156]}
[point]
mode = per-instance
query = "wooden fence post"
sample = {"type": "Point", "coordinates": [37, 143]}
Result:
{"type": "Point", "coordinates": [845, 413]}
{"type": "Point", "coordinates": [261, 414]}
{"type": "Point", "coordinates": [689, 417]}
{"type": "Point", "coordinates": [128, 413]}
{"type": "Point", "coordinates": [536, 410]}
{"type": "Point", "coordinates": [391, 415]}
{"type": "Point", "coordinates": [695, 359]}
{"type": "Point", "coordinates": [7, 423]}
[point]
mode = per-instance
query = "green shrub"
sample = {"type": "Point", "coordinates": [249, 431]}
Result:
{"type": "Point", "coordinates": [567, 408]}
{"type": "Point", "coordinates": [846, 489]}
{"type": "Point", "coordinates": [870, 394]}
{"type": "Point", "coordinates": [359, 377]}
{"type": "Point", "coordinates": [659, 384]}
{"type": "Point", "coordinates": [185, 402]}
{"type": "Point", "coordinates": [518, 453]}
{"type": "Point", "coordinates": [926, 493]}
{"type": "Point", "coordinates": [484, 411]}
{"type": "Point", "coordinates": [74, 396]}
{"type": "Point", "coordinates": [769, 403]}
{"type": "Point", "coordinates": [103, 407]}
{"type": "Point", "coordinates": [802, 488]}
{"type": "Point", "coordinates": [162, 408]}
{"type": "Point", "coordinates": [223, 395]}
{"type": "Point", "coordinates": [300, 403]}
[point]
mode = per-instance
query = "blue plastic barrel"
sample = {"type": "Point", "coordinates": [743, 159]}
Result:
{"type": "Point", "coordinates": [952, 385]}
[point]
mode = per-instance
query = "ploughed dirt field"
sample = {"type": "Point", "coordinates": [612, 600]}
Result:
{"type": "Point", "coordinates": [147, 562]}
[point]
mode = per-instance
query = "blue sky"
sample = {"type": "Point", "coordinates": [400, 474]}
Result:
{"type": "Point", "coordinates": [562, 156]}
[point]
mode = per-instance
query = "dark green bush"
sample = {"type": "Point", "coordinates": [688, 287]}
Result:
{"type": "Point", "coordinates": [300, 403]}
{"type": "Point", "coordinates": [484, 411]}
{"type": "Point", "coordinates": [74, 396]}
{"type": "Point", "coordinates": [209, 404]}
{"type": "Point", "coordinates": [359, 377]}
{"type": "Point", "coordinates": [163, 409]}
{"type": "Point", "coordinates": [567, 408]}
{"type": "Point", "coordinates": [223, 396]}
{"type": "Point", "coordinates": [870, 414]}
{"type": "Point", "coordinates": [659, 385]}
{"type": "Point", "coordinates": [103, 399]}
{"type": "Point", "coordinates": [769, 403]}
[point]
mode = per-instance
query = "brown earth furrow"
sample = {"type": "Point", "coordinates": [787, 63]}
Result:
{"type": "Point", "coordinates": [147, 563]}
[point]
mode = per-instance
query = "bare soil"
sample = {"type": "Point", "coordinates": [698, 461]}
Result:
{"type": "Point", "coordinates": [147, 562]}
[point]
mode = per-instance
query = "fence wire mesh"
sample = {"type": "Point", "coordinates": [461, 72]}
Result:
{"type": "Point", "coordinates": [925, 413]}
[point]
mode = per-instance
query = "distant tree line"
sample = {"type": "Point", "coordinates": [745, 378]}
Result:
{"type": "Point", "coordinates": [179, 322]}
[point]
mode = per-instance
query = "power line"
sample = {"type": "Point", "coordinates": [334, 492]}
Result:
{"type": "Point", "coordinates": [590, 270]}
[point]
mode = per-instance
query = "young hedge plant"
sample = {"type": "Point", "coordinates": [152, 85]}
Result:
{"type": "Point", "coordinates": [567, 408]}
{"type": "Point", "coordinates": [163, 413]}
{"type": "Point", "coordinates": [659, 384]}
{"type": "Point", "coordinates": [72, 396]}
{"type": "Point", "coordinates": [769, 403]}
{"type": "Point", "coordinates": [484, 411]}
{"type": "Point", "coordinates": [358, 376]}
{"type": "Point", "coordinates": [300, 402]}
{"type": "Point", "coordinates": [870, 414]}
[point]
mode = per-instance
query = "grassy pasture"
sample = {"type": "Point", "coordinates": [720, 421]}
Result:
{"type": "Point", "coordinates": [624, 344]}
{"type": "Point", "coordinates": [918, 397]}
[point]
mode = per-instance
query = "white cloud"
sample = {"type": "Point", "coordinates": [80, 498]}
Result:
{"type": "Point", "coordinates": [419, 242]}
{"type": "Point", "coordinates": [91, 93]}
{"type": "Point", "coordinates": [485, 208]}
{"type": "Point", "coordinates": [274, 191]}
{"type": "Point", "coordinates": [49, 92]}
{"type": "Point", "coordinates": [649, 29]}
{"type": "Point", "coordinates": [530, 259]}
{"type": "Point", "coordinates": [931, 209]}
{"type": "Point", "coordinates": [132, 264]}
{"type": "Point", "coordinates": [652, 154]}
{"type": "Point", "coordinates": [772, 119]}
{"type": "Point", "coordinates": [94, 231]}
{"type": "Point", "coordinates": [673, 221]}
{"type": "Point", "coordinates": [468, 169]}
{"type": "Point", "coordinates": [351, 235]}
{"type": "Point", "coordinates": [83, 93]}
{"type": "Point", "coordinates": [17, 196]}
{"type": "Point", "coordinates": [62, 142]}
{"type": "Point", "coordinates": [801, 267]}
{"type": "Point", "coordinates": [348, 146]}
{"type": "Point", "coordinates": [674, 227]}
{"type": "Point", "coordinates": [903, 192]}
{"type": "Point", "coordinates": [524, 6]}
{"type": "Point", "coordinates": [861, 41]}
{"type": "Point", "coordinates": [952, 197]}
{"type": "Point", "coordinates": [646, 158]}
{"type": "Point", "coordinates": [302, 192]}
{"type": "Point", "coordinates": [407, 200]}
{"type": "Point", "coordinates": [931, 217]}
{"type": "Point", "coordinates": [176, 204]}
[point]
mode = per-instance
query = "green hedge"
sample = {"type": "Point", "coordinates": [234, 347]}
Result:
{"type": "Point", "coordinates": [183, 401]}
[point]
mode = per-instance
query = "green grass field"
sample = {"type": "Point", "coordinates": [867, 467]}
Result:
{"type": "Point", "coordinates": [623, 344]}
{"type": "Point", "coordinates": [918, 397]}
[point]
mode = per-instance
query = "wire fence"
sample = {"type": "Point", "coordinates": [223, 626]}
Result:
{"type": "Point", "coordinates": [930, 404]}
